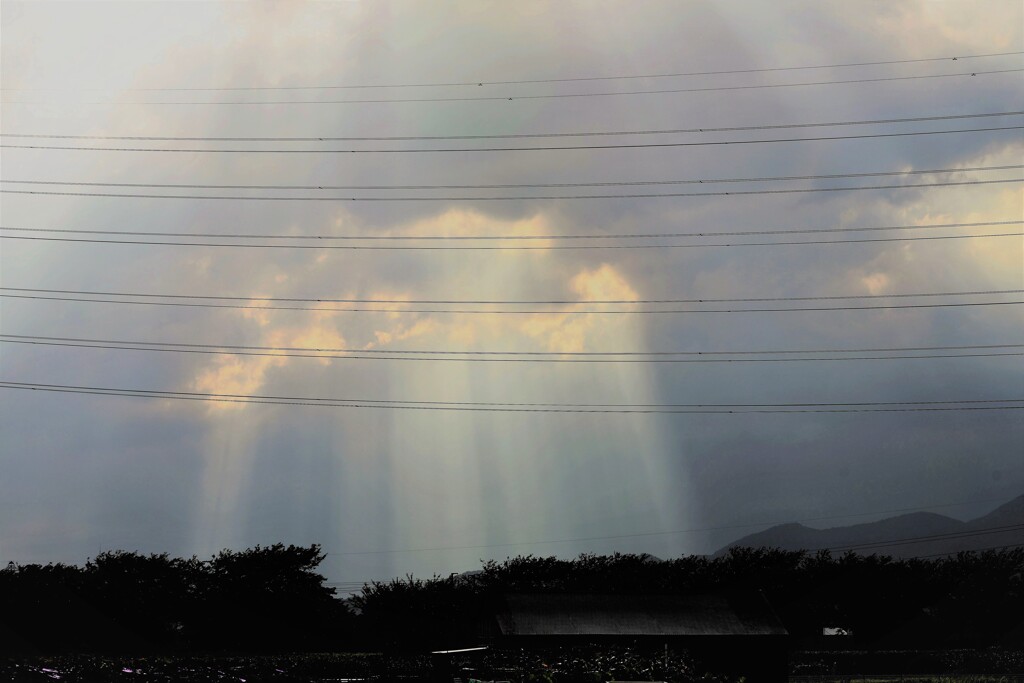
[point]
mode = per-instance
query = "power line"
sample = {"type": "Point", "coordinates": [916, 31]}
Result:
{"type": "Point", "coordinates": [615, 236]}
{"type": "Point", "coordinates": [570, 247]}
{"type": "Point", "coordinates": [508, 136]}
{"type": "Point", "coordinates": [536, 353]}
{"type": "Point", "coordinates": [649, 145]}
{"type": "Point", "coordinates": [521, 301]}
{"type": "Point", "coordinates": [624, 183]}
{"type": "Point", "coordinates": [515, 198]}
{"type": "Point", "coordinates": [549, 405]}
{"type": "Point", "coordinates": [471, 406]}
{"type": "Point", "coordinates": [924, 539]}
{"type": "Point", "coordinates": [976, 550]}
{"type": "Point", "coordinates": [469, 357]}
{"type": "Point", "coordinates": [571, 311]}
{"type": "Point", "coordinates": [356, 586]}
{"type": "Point", "coordinates": [662, 533]}
{"type": "Point", "coordinates": [547, 96]}
{"type": "Point", "coordinates": [488, 82]}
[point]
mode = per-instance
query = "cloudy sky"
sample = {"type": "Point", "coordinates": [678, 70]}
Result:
{"type": "Point", "coordinates": [389, 491]}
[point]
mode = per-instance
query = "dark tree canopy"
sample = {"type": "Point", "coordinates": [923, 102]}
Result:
{"type": "Point", "coordinates": [261, 599]}
{"type": "Point", "coordinates": [268, 599]}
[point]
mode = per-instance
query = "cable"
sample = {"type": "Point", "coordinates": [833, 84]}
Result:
{"type": "Point", "coordinates": [798, 231]}
{"type": "Point", "coordinates": [510, 312]}
{"type": "Point", "coordinates": [508, 136]}
{"type": "Point", "coordinates": [721, 408]}
{"type": "Point", "coordinates": [531, 353]}
{"type": "Point", "coordinates": [543, 148]}
{"type": "Point", "coordinates": [571, 247]}
{"type": "Point", "coordinates": [976, 550]}
{"type": "Point", "coordinates": [516, 360]}
{"type": "Point", "coordinates": [664, 533]}
{"type": "Point", "coordinates": [454, 356]}
{"type": "Point", "coordinates": [534, 80]}
{"type": "Point", "coordinates": [514, 198]}
{"type": "Point", "coordinates": [557, 248]}
{"type": "Point", "coordinates": [520, 301]}
{"type": "Point", "coordinates": [357, 586]}
{"type": "Point", "coordinates": [550, 405]}
{"type": "Point", "coordinates": [924, 539]}
{"type": "Point", "coordinates": [510, 98]}
{"type": "Point", "coordinates": [509, 410]}
{"type": "Point", "coordinates": [629, 183]}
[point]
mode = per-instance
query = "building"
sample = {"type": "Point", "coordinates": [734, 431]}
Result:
{"type": "Point", "coordinates": [735, 633]}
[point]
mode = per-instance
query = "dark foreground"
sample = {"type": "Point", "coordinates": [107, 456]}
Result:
{"type": "Point", "coordinates": [561, 666]}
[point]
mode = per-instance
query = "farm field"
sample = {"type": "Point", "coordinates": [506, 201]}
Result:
{"type": "Point", "coordinates": [906, 666]}
{"type": "Point", "coordinates": [807, 666]}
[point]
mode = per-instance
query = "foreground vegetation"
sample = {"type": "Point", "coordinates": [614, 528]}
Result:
{"type": "Point", "coordinates": [971, 600]}
{"type": "Point", "coordinates": [569, 665]}
{"type": "Point", "coordinates": [272, 600]}
{"type": "Point", "coordinates": [576, 665]}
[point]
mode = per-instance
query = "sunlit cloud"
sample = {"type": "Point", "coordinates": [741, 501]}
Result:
{"type": "Point", "coordinates": [408, 479]}
{"type": "Point", "coordinates": [876, 283]}
{"type": "Point", "coordinates": [231, 374]}
{"type": "Point", "coordinates": [462, 222]}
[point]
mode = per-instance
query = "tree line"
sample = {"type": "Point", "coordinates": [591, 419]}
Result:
{"type": "Point", "coordinates": [271, 599]}
{"type": "Point", "coordinates": [259, 599]}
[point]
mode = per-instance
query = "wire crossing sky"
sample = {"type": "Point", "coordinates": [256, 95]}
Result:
{"type": "Point", "coordinates": [357, 274]}
{"type": "Point", "coordinates": [545, 238]}
{"type": "Point", "coordinates": [602, 408]}
{"type": "Point", "coordinates": [511, 98]}
{"type": "Point", "coordinates": [546, 148]}
{"type": "Point", "coordinates": [478, 357]}
{"type": "Point", "coordinates": [866, 174]}
{"type": "Point", "coordinates": [589, 78]}
{"type": "Point", "coordinates": [670, 131]}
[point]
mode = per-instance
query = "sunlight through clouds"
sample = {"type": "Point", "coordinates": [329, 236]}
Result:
{"type": "Point", "coordinates": [386, 480]}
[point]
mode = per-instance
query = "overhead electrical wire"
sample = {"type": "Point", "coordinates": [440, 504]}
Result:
{"type": "Point", "coordinates": [638, 195]}
{"type": "Point", "coordinates": [564, 311]}
{"type": "Point", "coordinates": [479, 83]}
{"type": "Point", "coordinates": [357, 585]}
{"type": "Point", "coordinates": [1009, 546]}
{"type": "Point", "coordinates": [506, 186]}
{"type": "Point", "coordinates": [507, 248]}
{"type": "Point", "coordinates": [491, 357]}
{"type": "Point", "coordinates": [537, 353]}
{"type": "Point", "coordinates": [925, 538]}
{"type": "Point", "coordinates": [541, 148]}
{"type": "Point", "coordinates": [505, 136]}
{"type": "Point", "coordinates": [536, 96]}
{"type": "Point", "coordinates": [519, 301]}
{"type": "Point", "coordinates": [658, 533]}
{"type": "Point", "coordinates": [514, 407]}
{"type": "Point", "coordinates": [352, 587]}
{"type": "Point", "coordinates": [611, 236]}
{"type": "Point", "coordinates": [549, 405]}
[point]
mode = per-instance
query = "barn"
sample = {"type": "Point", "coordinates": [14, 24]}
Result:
{"type": "Point", "coordinates": [735, 633]}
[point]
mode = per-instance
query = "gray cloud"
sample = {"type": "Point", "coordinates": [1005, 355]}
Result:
{"type": "Point", "coordinates": [92, 472]}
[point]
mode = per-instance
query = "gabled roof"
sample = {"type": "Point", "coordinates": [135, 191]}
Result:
{"type": "Point", "coordinates": [638, 615]}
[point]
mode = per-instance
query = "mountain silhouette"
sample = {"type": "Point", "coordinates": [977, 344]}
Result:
{"type": "Point", "coordinates": [912, 535]}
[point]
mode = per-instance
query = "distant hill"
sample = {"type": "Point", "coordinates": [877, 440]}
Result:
{"type": "Point", "coordinates": [935, 534]}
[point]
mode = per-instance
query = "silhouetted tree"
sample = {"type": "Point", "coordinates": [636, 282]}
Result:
{"type": "Point", "coordinates": [261, 599]}
{"type": "Point", "coordinates": [268, 598]}
{"type": "Point", "coordinates": [150, 597]}
{"type": "Point", "coordinates": [271, 598]}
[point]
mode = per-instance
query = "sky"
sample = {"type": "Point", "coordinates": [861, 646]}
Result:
{"type": "Point", "coordinates": [393, 491]}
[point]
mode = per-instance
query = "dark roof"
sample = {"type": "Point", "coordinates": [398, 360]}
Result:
{"type": "Point", "coordinates": [637, 615]}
